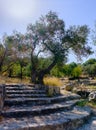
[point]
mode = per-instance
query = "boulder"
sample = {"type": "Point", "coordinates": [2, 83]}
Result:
{"type": "Point", "coordinates": [92, 96]}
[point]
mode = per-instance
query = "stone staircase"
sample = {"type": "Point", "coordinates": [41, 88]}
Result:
{"type": "Point", "coordinates": [28, 107]}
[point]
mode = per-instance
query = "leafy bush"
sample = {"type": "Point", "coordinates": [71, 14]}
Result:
{"type": "Point", "coordinates": [57, 71]}
{"type": "Point", "coordinates": [77, 71]}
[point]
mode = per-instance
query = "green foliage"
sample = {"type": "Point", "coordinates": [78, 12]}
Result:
{"type": "Point", "coordinates": [90, 62]}
{"type": "Point", "coordinates": [43, 63]}
{"type": "Point", "coordinates": [27, 70]}
{"type": "Point", "coordinates": [85, 102]}
{"type": "Point", "coordinates": [16, 70]}
{"type": "Point", "coordinates": [77, 71]}
{"type": "Point", "coordinates": [57, 71]}
{"type": "Point", "coordinates": [82, 103]}
{"type": "Point", "coordinates": [68, 69]}
{"type": "Point", "coordinates": [89, 67]}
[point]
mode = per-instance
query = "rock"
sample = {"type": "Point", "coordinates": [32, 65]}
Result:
{"type": "Point", "coordinates": [92, 96]}
{"type": "Point", "coordinates": [83, 94]}
{"type": "Point", "coordinates": [53, 91]}
{"type": "Point", "coordinates": [69, 87]}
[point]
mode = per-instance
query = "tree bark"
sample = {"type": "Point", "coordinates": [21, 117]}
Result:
{"type": "Point", "coordinates": [0, 67]}
{"type": "Point", "coordinates": [42, 73]}
{"type": "Point", "coordinates": [33, 77]}
{"type": "Point", "coordinates": [2, 59]}
{"type": "Point", "coordinates": [10, 73]}
{"type": "Point", "coordinates": [33, 70]}
{"type": "Point", "coordinates": [21, 73]}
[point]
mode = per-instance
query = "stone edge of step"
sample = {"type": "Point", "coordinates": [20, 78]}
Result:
{"type": "Point", "coordinates": [64, 123]}
{"type": "Point", "coordinates": [39, 110]}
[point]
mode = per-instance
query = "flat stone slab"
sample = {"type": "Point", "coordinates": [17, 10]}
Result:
{"type": "Point", "coordinates": [45, 100]}
{"type": "Point", "coordinates": [22, 88]}
{"type": "Point", "coordinates": [19, 85]}
{"type": "Point", "coordinates": [90, 125]}
{"type": "Point", "coordinates": [28, 95]}
{"type": "Point", "coordinates": [58, 121]}
{"type": "Point", "coordinates": [38, 110]}
{"type": "Point", "coordinates": [24, 91]}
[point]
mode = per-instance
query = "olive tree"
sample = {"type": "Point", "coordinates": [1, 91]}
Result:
{"type": "Point", "coordinates": [48, 37]}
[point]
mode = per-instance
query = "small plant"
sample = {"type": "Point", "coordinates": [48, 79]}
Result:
{"type": "Point", "coordinates": [82, 103]}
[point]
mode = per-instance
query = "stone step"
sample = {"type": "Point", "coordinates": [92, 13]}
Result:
{"type": "Point", "coordinates": [38, 101]}
{"type": "Point", "coordinates": [69, 120]}
{"type": "Point", "coordinates": [37, 86]}
{"type": "Point", "coordinates": [19, 88]}
{"type": "Point", "coordinates": [23, 111]}
{"type": "Point", "coordinates": [25, 91]}
{"type": "Point", "coordinates": [19, 85]}
{"type": "Point", "coordinates": [90, 125]}
{"type": "Point", "coordinates": [27, 95]}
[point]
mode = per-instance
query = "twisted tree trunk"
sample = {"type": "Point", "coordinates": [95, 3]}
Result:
{"type": "Point", "coordinates": [43, 72]}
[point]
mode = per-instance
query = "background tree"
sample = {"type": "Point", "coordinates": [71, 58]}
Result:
{"type": "Point", "coordinates": [18, 50]}
{"type": "Point", "coordinates": [4, 50]}
{"type": "Point", "coordinates": [68, 69]}
{"type": "Point", "coordinates": [77, 71]}
{"type": "Point", "coordinates": [2, 55]}
{"type": "Point", "coordinates": [89, 67]}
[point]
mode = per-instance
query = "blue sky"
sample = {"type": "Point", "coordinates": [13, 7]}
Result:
{"type": "Point", "coordinates": [17, 14]}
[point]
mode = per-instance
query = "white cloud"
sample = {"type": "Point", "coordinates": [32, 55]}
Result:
{"type": "Point", "coordinates": [17, 10]}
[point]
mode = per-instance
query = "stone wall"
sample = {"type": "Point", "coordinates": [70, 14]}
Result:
{"type": "Point", "coordinates": [50, 90]}
{"type": "Point", "coordinates": [2, 97]}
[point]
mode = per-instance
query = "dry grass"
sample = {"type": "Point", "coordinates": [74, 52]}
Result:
{"type": "Point", "coordinates": [91, 87]}
{"type": "Point", "coordinates": [52, 81]}
{"type": "Point", "coordinates": [5, 80]}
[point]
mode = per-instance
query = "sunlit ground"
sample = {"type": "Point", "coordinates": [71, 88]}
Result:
{"type": "Point", "coordinates": [5, 80]}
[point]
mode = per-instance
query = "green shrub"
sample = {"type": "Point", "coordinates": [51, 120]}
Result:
{"type": "Point", "coordinates": [82, 103]}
